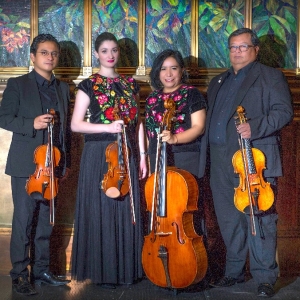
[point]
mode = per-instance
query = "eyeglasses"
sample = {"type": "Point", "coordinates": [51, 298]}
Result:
{"type": "Point", "coordinates": [242, 48]}
{"type": "Point", "coordinates": [46, 53]}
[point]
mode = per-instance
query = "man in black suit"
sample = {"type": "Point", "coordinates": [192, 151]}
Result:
{"type": "Point", "coordinates": [24, 111]}
{"type": "Point", "coordinates": [264, 93]}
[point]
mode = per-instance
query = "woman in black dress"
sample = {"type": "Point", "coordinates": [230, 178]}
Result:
{"type": "Point", "coordinates": [107, 245]}
{"type": "Point", "coordinates": [168, 78]}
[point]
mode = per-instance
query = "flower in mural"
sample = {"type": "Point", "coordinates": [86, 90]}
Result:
{"type": "Point", "coordinates": [14, 40]}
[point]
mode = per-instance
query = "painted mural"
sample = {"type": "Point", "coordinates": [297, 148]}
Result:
{"type": "Point", "coordinates": [275, 22]}
{"type": "Point", "coordinates": [168, 26]}
{"type": "Point", "coordinates": [64, 20]}
{"type": "Point", "coordinates": [15, 34]}
{"type": "Point", "coordinates": [217, 19]}
{"type": "Point", "coordinates": [120, 18]}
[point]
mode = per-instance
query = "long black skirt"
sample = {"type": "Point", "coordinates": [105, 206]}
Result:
{"type": "Point", "coordinates": [106, 245]}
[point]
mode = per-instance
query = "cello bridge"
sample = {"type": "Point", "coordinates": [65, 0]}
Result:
{"type": "Point", "coordinates": [163, 233]}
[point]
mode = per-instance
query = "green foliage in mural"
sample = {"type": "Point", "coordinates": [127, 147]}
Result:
{"type": "Point", "coordinates": [276, 25]}
{"type": "Point", "coordinates": [15, 38]}
{"type": "Point", "coordinates": [217, 20]}
{"type": "Point", "coordinates": [167, 26]}
{"type": "Point", "coordinates": [274, 21]}
{"type": "Point", "coordinates": [120, 18]}
{"type": "Point", "coordinates": [64, 20]}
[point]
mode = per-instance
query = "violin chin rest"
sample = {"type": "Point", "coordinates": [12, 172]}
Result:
{"type": "Point", "coordinates": [112, 192]}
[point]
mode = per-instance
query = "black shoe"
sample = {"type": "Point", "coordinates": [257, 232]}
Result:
{"type": "Point", "coordinates": [22, 286]}
{"type": "Point", "coordinates": [50, 279]}
{"type": "Point", "coordinates": [265, 290]}
{"type": "Point", "coordinates": [108, 286]}
{"type": "Point", "coordinates": [225, 282]}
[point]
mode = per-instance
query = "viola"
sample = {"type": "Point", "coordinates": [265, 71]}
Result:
{"type": "Point", "coordinates": [254, 194]}
{"type": "Point", "coordinates": [173, 254]}
{"type": "Point", "coordinates": [43, 184]}
{"type": "Point", "coordinates": [117, 181]}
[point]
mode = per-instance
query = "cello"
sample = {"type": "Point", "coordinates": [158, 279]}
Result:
{"type": "Point", "coordinates": [173, 255]}
{"type": "Point", "coordinates": [43, 184]}
{"type": "Point", "coordinates": [117, 181]}
{"type": "Point", "coordinates": [253, 195]}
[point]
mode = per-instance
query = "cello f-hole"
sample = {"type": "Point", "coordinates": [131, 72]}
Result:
{"type": "Point", "coordinates": [180, 241]}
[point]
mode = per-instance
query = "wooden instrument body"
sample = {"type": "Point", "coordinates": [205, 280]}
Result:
{"type": "Point", "coordinates": [115, 182]}
{"type": "Point", "coordinates": [43, 184]}
{"type": "Point", "coordinates": [173, 254]}
{"type": "Point", "coordinates": [257, 184]}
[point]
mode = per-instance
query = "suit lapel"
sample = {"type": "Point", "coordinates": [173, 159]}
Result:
{"type": "Point", "coordinates": [34, 95]}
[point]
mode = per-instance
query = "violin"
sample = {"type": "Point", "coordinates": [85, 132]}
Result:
{"type": "Point", "coordinates": [117, 181]}
{"type": "Point", "coordinates": [173, 255]}
{"type": "Point", "coordinates": [254, 194]}
{"type": "Point", "coordinates": [43, 184]}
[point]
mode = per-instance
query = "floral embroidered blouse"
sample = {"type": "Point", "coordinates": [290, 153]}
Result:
{"type": "Point", "coordinates": [106, 94]}
{"type": "Point", "coordinates": [188, 100]}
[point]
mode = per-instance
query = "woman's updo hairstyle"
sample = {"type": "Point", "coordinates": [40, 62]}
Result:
{"type": "Point", "coordinates": [104, 36]}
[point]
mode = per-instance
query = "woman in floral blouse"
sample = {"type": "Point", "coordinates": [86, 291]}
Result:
{"type": "Point", "coordinates": [168, 78]}
{"type": "Point", "coordinates": [107, 245]}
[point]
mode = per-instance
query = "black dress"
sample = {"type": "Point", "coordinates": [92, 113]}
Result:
{"type": "Point", "coordinates": [107, 246]}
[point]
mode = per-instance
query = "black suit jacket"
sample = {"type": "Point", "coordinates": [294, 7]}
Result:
{"type": "Point", "coordinates": [266, 97]}
{"type": "Point", "coordinates": [20, 105]}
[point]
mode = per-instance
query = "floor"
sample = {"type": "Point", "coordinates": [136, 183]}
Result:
{"type": "Point", "coordinates": [286, 289]}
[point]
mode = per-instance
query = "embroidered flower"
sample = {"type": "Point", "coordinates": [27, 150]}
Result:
{"type": "Point", "coordinates": [109, 113]}
{"type": "Point", "coordinates": [179, 129]}
{"type": "Point", "coordinates": [151, 100]}
{"type": "Point", "coordinates": [164, 96]}
{"type": "Point", "coordinates": [150, 133]}
{"type": "Point", "coordinates": [99, 80]}
{"type": "Point", "coordinates": [132, 112]}
{"type": "Point", "coordinates": [102, 99]}
{"type": "Point", "coordinates": [177, 98]}
{"type": "Point", "coordinates": [180, 117]}
{"type": "Point", "coordinates": [158, 117]}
